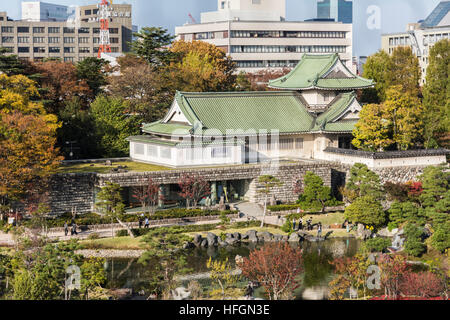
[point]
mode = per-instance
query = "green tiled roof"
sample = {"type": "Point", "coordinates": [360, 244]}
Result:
{"type": "Point", "coordinates": [282, 111]}
{"type": "Point", "coordinates": [166, 128]}
{"type": "Point", "coordinates": [341, 126]}
{"type": "Point", "coordinates": [244, 111]}
{"type": "Point", "coordinates": [311, 71]}
{"type": "Point", "coordinates": [150, 140]}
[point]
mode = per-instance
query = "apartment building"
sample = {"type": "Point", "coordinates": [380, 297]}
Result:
{"type": "Point", "coordinates": [71, 40]}
{"type": "Point", "coordinates": [256, 36]}
{"type": "Point", "coordinates": [422, 36]}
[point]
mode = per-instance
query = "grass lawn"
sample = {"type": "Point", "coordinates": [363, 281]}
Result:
{"type": "Point", "coordinates": [101, 168]}
{"type": "Point", "coordinates": [118, 243]}
{"type": "Point", "coordinates": [326, 219]}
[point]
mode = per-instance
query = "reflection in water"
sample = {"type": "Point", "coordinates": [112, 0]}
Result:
{"type": "Point", "coordinates": [318, 272]}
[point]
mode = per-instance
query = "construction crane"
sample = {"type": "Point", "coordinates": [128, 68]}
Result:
{"type": "Point", "coordinates": [104, 11]}
{"type": "Point", "coordinates": [192, 19]}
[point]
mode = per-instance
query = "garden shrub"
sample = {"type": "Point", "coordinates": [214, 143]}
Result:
{"type": "Point", "coordinates": [422, 284]}
{"type": "Point", "coordinates": [93, 236]}
{"type": "Point", "coordinates": [440, 239]}
{"type": "Point", "coordinates": [122, 233]}
{"type": "Point", "coordinates": [376, 245]}
{"type": "Point", "coordinates": [414, 242]}
{"type": "Point", "coordinates": [396, 191]}
{"type": "Point", "coordinates": [288, 226]}
{"type": "Point", "coordinates": [366, 210]}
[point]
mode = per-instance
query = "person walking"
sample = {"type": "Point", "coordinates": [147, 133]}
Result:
{"type": "Point", "coordinates": [147, 223]}
{"type": "Point", "coordinates": [293, 224]}
{"type": "Point", "coordinates": [66, 229]}
{"type": "Point", "coordinates": [74, 229]}
{"type": "Point", "coordinates": [140, 223]}
{"type": "Point", "coordinates": [300, 224]}
{"type": "Point", "coordinates": [319, 230]}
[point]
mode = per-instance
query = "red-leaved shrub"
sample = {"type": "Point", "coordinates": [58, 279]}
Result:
{"type": "Point", "coordinates": [422, 284]}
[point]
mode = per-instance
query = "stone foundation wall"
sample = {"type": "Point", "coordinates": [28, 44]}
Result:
{"type": "Point", "coordinates": [72, 191]}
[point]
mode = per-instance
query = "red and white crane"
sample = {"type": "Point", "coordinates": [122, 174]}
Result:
{"type": "Point", "coordinates": [104, 11]}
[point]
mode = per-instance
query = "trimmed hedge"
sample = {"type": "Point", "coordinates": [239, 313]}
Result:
{"type": "Point", "coordinates": [95, 219]}
{"type": "Point", "coordinates": [290, 207]}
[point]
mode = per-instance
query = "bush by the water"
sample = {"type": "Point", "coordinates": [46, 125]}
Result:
{"type": "Point", "coordinates": [376, 245]}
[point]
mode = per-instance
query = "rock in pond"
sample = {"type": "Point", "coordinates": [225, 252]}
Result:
{"type": "Point", "coordinates": [212, 239]}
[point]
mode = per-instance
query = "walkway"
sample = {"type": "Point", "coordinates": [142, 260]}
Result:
{"type": "Point", "coordinates": [250, 209]}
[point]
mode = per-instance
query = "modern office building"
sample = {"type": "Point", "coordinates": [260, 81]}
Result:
{"type": "Point", "coordinates": [42, 11]}
{"type": "Point", "coordinates": [71, 40]}
{"type": "Point", "coordinates": [337, 10]}
{"type": "Point", "coordinates": [256, 36]}
{"type": "Point", "coordinates": [422, 36]}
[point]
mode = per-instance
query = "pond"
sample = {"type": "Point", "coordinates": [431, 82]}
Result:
{"type": "Point", "coordinates": [317, 258]}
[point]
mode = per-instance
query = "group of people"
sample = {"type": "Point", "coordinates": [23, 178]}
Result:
{"type": "Point", "coordinates": [300, 226]}
{"type": "Point", "coordinates": [144, 221]}
{"type": "Point", "coordinates": [73, 228]}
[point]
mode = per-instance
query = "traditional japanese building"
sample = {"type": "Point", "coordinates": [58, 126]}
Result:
{"type": "Point", "coordinates": [313, 107]}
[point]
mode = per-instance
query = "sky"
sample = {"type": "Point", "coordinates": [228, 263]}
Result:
{"type": "Point", "coordinates": [385, 16]}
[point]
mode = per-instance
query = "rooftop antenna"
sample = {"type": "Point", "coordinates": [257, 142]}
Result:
{"type": "Point", "coordinates": [105, 13]}
{"type": "Point", "coordinates": [192, 19]}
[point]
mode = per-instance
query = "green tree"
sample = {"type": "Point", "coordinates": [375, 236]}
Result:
{"type": "Point", "coordinates": [366, 210]}
{"type": "Point", "coordinates": [9, 63]}
{"type": "Point", "coordinates": [222, 273]}
{"type": "Point", "coordinates": [440, 239]}
{"type": "Point", "coordinates": [93, 275]}
{"type": "Point", "coordinates": [435, 184]}
{"type": "Point", "coordinates": [436, 92]}
{"type": "Point", "coordinates": [267, 184]}
{"type": "Point", "coordinates": [111, 204]}
{"type": "Point", "coordinates": [152, 44]}
{"type": "Point", "coordinates": [92, 70]}
{"type": "Point", "coordinates": [406, 70]}
{"type": "Point", "coordinates": [414, 244]}
{"type": "Point", "coordinates": [363, 182]}
{"type": "Point", "coordinates": [378, 68]}
{"type": "Point", "coordinates": [315, 195]}
{"type": "Point", "coordinates": [113, 125]}
{"type": "Point", "coordinates": [401, 212]}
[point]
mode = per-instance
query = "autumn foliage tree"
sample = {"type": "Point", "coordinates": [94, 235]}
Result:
{"type": "Point", "coordinates": [276, 267]}
{"type": "Point", "coordinates": [28, 155]}
{"type": "Point", "coordinates": [193, 189]}
{"type": "Point", "coordinates": [148, 195]}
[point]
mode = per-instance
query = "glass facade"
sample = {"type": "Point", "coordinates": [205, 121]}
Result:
{"type": "Point", "coordinates": [338, 10]}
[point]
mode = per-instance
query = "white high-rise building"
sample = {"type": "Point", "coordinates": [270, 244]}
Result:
{"type": "Point", "coordinates": [256, 36]}
{"type": "Point", "coordinates": [42, 11]}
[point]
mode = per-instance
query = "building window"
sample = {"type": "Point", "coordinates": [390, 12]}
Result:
{"type": "Point", "coordinates": [69, 40]}
{"type": "Point", "coordinates": [286, 144]}
{"type": "Point", "coordinates": [96, 30]}
{"type": "Point", "coordinates": [114, 49]}
{"type": "Point", "coordinates": [166, 153]}
{"type": "Point", "coordinates": [114, 40]}
{"type": "Point", "coordinates": [23, 49]}
{"type": "Point", "coordinates": [23, 39]}
{"type": "Point", "coordinates": [53, 40]}
{"type": "Point", "coordinates": [69, 59]}
{"type": "Point", "coordinates": [38, 39]}
{"type": "Point", "coordinates": [221, 152]}
{"type": "Point", "coordinates": [69, 50]}
{"type": "Point", "coordinates": [96, 40]}
{"type": "Point", "coordinates": [83, 40]}
{"type": "Point", "coordinates": [69, 30]}
{"type": "Point", "coordinates": [139, 149]}
{"type": "Point", "coordinates": [7, 29]}
{"type": "Point", "coordinates": [39, 50]}
{"type": "Point", "coordinates": [87, 12]}
{"type": "Point", "coordinates": [84, 30]}
{"type": "Point", "coordinates": [54, 49]}
{"type": "Point", "coordinates": [152, 151]}
{"type": "Point", "coordinates": [23, 29]}
{"type": "Point", "coordinates": [38, 29]}
{"type": "Point", "coordinates": [53, 30]}
{"type": "Point", "coordinates": [84, 50]}
{"type": "Point", "coordinates": [114, 30]}
{"type": "Point", "coordinates": [299, 143]}
{"type": "Point", "coordinates": [7, 39]}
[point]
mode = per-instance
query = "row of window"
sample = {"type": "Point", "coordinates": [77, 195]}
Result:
{"type": "Point", "coordinates": [282, 144]}
{"type": "Point", "coordinates": [284, 49]}
{"type": "Point", "coordinates": [10, 29]}
{"type": "Point", "coordinates": [267, 64]}
{"type": "Point", "coordinates": [58, 49]}
{"type": "Point", "coordinates": [287, 34]}
{"type": "Point", "coordinates": [427, 39]}
{"type": "Point", "coordinates": [55, 40]}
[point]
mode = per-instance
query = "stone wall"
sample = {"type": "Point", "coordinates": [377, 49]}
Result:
{"type": "Point", "coordinates": [72, 191]}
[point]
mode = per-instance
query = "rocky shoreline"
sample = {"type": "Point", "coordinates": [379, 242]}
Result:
{"type": "Point", "coordinates": [231, 239]}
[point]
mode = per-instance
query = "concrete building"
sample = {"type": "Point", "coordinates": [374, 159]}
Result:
{"type": "Point", "coordinates": [315, 107]}
{"type": "Point", "coordinates": [42, 11]}
{"type": "Point", "coordinates": [71, 40]}
{"type": "Point", "coordinates": [422, 36]}
{"type": "Point", "coordinates": [256, 36]}
{"type": "Point", "coordinates": [337, 10]}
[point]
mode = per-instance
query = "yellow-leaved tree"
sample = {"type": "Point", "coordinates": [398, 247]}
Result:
{"type": "Point", "coordinates": [28, 156]}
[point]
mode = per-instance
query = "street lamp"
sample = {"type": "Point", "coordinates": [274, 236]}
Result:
{"type": "Point", "coordinates": [71, 148]}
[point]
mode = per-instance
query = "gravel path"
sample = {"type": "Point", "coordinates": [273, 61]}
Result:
{"type": "Point", "coordinates": [111, 253]}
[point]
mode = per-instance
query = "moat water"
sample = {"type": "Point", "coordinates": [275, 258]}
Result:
{"type": "Point", "coordinates": [317, 268]}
